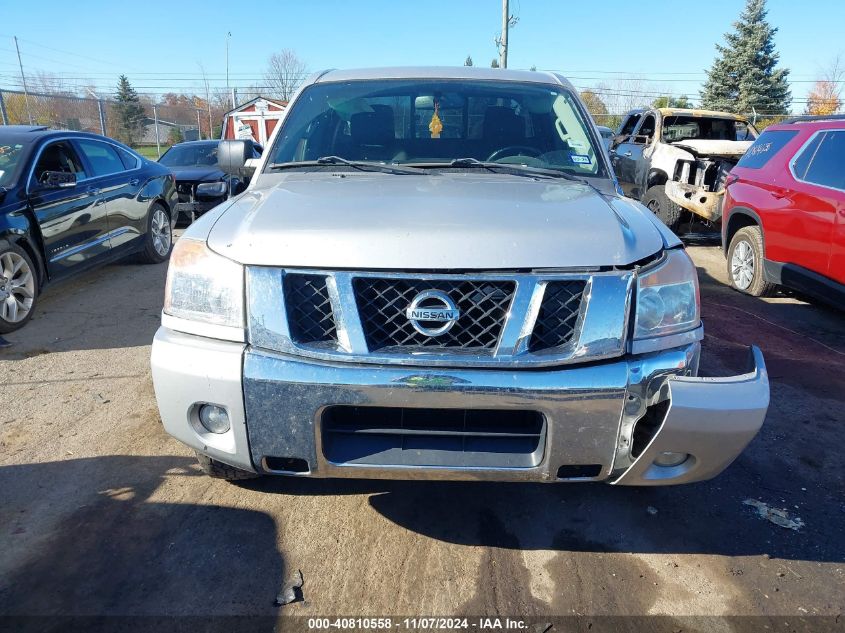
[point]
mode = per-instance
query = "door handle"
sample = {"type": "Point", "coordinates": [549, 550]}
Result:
{"type": "Point", "coordinates": [612, 152]}
{"type": "Point", "coordinates": [627, 154]}
{"type": "Point", "coordinates": [779, 194]}
{"type": "Point", "coordinates": [93, 191]}
{"type": "Point", "coordinates": [134, 182]}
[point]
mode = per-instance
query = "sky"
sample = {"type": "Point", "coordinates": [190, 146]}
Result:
{"type": "Point", "coordinates": [667, 44]}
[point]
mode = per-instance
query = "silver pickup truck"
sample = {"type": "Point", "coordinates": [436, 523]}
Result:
{"type": "Point", "coordinates": [433, 274]}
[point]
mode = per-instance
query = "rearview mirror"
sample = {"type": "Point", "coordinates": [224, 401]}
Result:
{"type": "Point", "coordinates": [57, 180]}
{"type": "Point", "coordinates": [232, 157]}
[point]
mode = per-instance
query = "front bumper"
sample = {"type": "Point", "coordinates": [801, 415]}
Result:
{"type": "Point", "coordinates": [193, 209]}
{"type": "Point", "coordinates": [276, 405]}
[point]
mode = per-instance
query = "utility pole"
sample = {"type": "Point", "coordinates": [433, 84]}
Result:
{"type": "Point", "coordinates": [503, 50]}
{"type": "Point", "coordinates": [502, 41]}
{"type": "Point", "coordinates": [228, 36]}
{"type": "Point", "coordinates": [23, 81]}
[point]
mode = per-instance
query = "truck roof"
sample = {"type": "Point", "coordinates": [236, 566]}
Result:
{"type": "Point", "coordinates": [694, 112]}
{"type": "Point", "coordinates": [443, 72]}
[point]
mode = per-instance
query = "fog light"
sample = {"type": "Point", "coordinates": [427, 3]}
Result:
{"type": "Point", "coordinates": [669, 459]}
{"type": "Point", "coordinates": [214, 418]}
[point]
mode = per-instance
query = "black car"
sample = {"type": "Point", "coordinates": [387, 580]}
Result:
{"type": "Point", "coordinates": [200, 182]}
{"type": "Point", "coordinates": [70, 201]}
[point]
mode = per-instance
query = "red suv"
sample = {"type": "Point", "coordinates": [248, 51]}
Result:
{"type": "Point", "coordinates": [783, 220]}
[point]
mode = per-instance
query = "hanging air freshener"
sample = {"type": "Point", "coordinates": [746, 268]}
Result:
{"type": "Point", "coordinates": [436, 125]}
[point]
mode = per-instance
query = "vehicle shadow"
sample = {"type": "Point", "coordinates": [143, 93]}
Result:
{"type": "Point", "coordinates": [705, 518]}
{"type": "Point", "coordinates": [123, 553]}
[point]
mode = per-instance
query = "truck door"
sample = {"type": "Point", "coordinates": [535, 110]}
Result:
{"type": "Point", "coordinates": [629, 156]}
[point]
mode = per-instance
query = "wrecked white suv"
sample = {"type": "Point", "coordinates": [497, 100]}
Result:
{"type": "Point", "coordinates": [433, 275]}
{"type": "Point", "coordinates": [675, 160]}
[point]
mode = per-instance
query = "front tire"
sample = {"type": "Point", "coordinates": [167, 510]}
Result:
{"type": "Point", "coordinates": [745, 263]}
{"type": "Point", "coordinates": [18, 287]}
{"type": "Point", "coordinates": [158, 241]}
{"type": "Point", "coordinates": [660, 205]}
{"type": "Point", "coordinates": [219, 470]}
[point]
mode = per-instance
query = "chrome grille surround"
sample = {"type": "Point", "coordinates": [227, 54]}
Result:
{"type": "Point", "coordinates": [599, 332]}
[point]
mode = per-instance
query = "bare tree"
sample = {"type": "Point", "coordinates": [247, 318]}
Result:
{"type": "Point", "coordinates": [207, 99]}
{"type": "Point", "coordinates": [285, 72]}
{"type": "Point", "coordinates": [826, 96]}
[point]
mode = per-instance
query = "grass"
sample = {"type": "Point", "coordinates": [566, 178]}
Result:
{"type": "Point", "coordinates": [149, 151]}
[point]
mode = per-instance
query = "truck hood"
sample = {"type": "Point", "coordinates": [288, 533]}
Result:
{"type": "Point", "coordinates": [451, 221]}
{"type": "Point", "coordinates": [705, 147]}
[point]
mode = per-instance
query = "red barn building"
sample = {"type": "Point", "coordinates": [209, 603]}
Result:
{"type": "Point", "coordinates": [255, 119]}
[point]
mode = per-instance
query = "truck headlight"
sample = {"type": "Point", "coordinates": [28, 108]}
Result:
{"type": "Point", "coordinates": [212, 189]}
{"type": "Point", "coordinates": [203, 286]}
{"type": "Point", "coordinates": [667, 297]}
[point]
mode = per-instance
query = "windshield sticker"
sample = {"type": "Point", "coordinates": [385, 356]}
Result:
{"type": "Point", "coordinates": [436, 125]}
{"type": "Point", "coordinates": [762, 148]}
{"type": "Point", "coordinates": [580, 159]}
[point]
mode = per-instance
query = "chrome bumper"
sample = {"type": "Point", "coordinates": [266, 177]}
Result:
{"type": "Point", "coordinates": [276, 406]}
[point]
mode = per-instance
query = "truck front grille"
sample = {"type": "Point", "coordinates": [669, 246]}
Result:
{"type": "Point", "coordinates": [559, 311]}
{"type": "Point", "coordinates": [309, 309]}
{"type": "Point", "coordinates": [503, 318]}
{"type": "Point", "coordinates": [382, 305]}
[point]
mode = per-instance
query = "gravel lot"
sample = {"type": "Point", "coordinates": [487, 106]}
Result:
{"type": "Point", "coordinates": [102, 513]}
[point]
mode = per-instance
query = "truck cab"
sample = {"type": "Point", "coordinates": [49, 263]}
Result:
{"type": "Point", "coordinates": [675, 161]}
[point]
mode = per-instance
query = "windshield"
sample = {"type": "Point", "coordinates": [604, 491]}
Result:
{"type": "Point", "coordinates": [682, 128]}
{"type": "Point", "coordinates": [436, 122]}
{"type": "Point", "coordinates": [190, 155]}
{"type": "Point", "coordinates": [10, 157]}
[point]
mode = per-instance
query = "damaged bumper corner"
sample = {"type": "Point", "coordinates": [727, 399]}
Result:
{"type": "Point", "coordinates": [711, 420]}
{"type": "Point", "coordinates": [707, 204]}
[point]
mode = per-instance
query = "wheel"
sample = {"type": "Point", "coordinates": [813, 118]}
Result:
{"type": "Point", "coordinates": [745, 263]}
{"type": "Point", "coordinates": [659, 204]}
{"type": "Point", "coordinates": [159, 238]}
{"type": "Point", "coordinates": [18, 287]}
{"type": "Point", "coordinates": [219, 470]}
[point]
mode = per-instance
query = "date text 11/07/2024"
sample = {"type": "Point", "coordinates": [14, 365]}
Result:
{"type": "Point", "coordinates": [420, 623]}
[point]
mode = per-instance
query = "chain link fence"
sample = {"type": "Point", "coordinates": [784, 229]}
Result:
{"type": "Point", "coordinates": [151, 130]}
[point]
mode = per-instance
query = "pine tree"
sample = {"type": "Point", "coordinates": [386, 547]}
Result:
{"type": "Point", "coordinates": [743, 77]}
{"type": "Point", "coordinates": [468, 61]}
{"type": "Point", "coordinates": [129, 111]}
{"type": "Point", "coordinates": [494, 63]}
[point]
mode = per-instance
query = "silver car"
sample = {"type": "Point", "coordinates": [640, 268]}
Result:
{"type": "Point", "coordinates": [433, 275]}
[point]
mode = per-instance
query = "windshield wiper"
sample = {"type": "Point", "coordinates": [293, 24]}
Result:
{"type": "Point", "coordinates": [509, 168]}
{"type": "Point", "coordinates": [360, 165]}
{"type": "Point", "coordinates": [519, 170]}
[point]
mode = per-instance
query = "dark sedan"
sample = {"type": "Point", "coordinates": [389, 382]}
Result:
{"type": "Point", "coordinates": [201, 183]}
{"type": "Point", "coordinates": [70, 201]}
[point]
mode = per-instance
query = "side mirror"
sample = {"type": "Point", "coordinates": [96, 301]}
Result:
{"type": "Point", "coordinates": [232, 157]}
{"type": "Point", "coordinates": [57, 180]}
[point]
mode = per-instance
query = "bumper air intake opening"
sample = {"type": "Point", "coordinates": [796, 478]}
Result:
{"type": "Point", "coordinates": [454, 438]}
{"type": "Point", "coordinates": [647, 426]}
{"type": "Point", "coordinates": [579, 471]}
{"type": "Point", "coordinates": [286, 464]}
